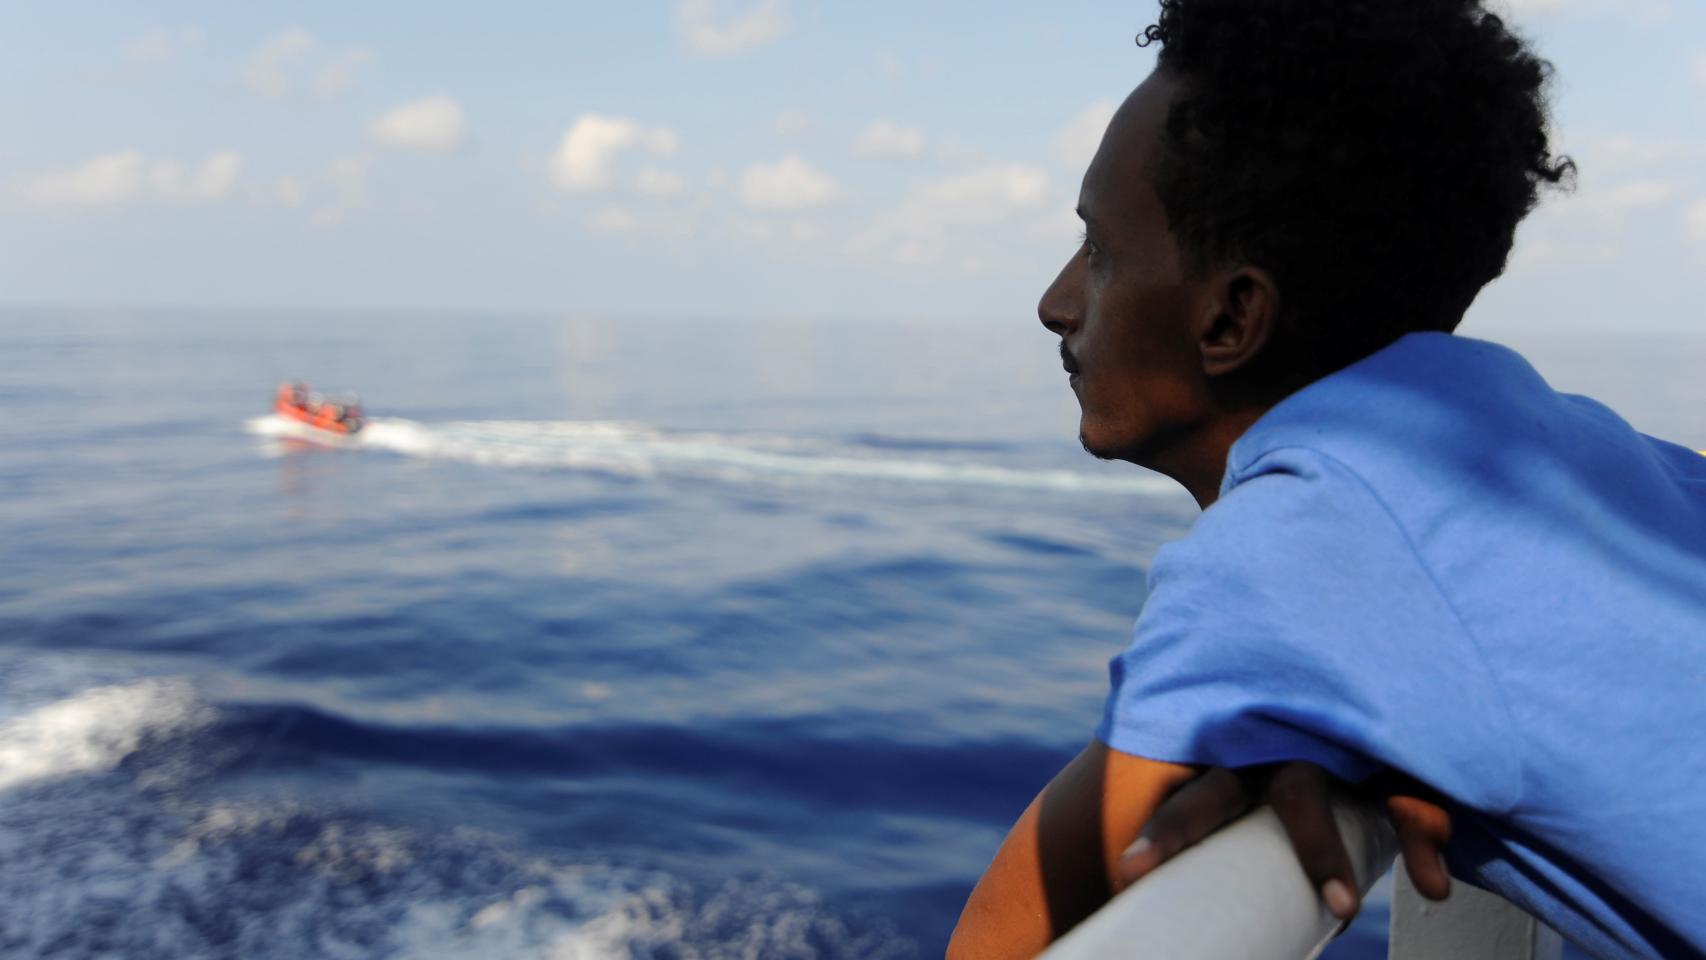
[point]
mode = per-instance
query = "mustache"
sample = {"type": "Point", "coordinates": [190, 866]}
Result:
{"type": "Point", "coordinates": [1067, 360]}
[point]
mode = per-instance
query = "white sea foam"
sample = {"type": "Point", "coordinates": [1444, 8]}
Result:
{"type": "Point", "coordinates": [103, 866]}
{"type": "Point", "coordinates": [638, 450]}
{"type": "Point", "coordinates": [277, 428]}
{"type": "Point", "coordinates": [93, 730]}
{"type": "Point", "coordinates": [135, 878]}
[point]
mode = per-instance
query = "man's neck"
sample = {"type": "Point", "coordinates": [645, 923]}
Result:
{"type": "Point", "coordinates": [1199, 462]}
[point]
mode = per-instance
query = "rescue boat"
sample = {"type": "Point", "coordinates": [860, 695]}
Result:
{"type": "Point", "coordinates": [339, 416]}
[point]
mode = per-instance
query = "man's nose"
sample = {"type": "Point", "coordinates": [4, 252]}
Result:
{"type": "Point", "coordinates": [1062, 309]}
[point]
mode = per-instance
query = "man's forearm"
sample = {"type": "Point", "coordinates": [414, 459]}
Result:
{"type": "Point", "coordinates": [1057, 865]}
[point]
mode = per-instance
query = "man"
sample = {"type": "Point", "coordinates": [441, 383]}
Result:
{"type": "Point", "coordinates": [1416, 560]}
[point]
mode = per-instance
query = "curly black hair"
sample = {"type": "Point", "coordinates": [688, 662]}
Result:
{"type": "Point", "coordinates": [1374, 155]}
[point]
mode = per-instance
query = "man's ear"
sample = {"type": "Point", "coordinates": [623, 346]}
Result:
{"type": "Point", "coordinates": [1239, 318]}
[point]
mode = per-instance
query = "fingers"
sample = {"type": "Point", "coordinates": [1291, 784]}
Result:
{"type": "Point", "coordinates": [1299, 795]}
{"type": "Point", "coordinates": [1194, 811]}
{"type": "Point", "coordinates": [1418, 813]}
{"type": "Point", "coordinates": [1424, 829]}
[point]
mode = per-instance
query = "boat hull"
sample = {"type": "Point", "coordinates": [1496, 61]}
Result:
{"type": "Point", "coordinates": [319, 422]}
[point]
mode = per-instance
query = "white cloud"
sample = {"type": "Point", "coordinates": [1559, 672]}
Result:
{"type": "Point", "coordinates": [955, 153]}
{"type": "Point", "coordinates": [1076, 142]}
{"type": "Point", "coordinates": [339, 74]}
{"type": "Point", "coordinates": [1547, 249]}
{"type": "Point", "coordinates": [433, 123]}
{"type": "Point", "coordinates": [787, 238]}
{"type": "Point", "coordinates": [1697, 222]}
{"type": "Point", "coordinates": [1057, 225]}
{"type": "Point", "coordinates": [613, 220]}
{"type": "Point", "coordinates": [110, 178]}
{"type": "Point", "coordinates": [1591, 227]}
{"type": "Point", "coordinates": [1529, 7]}
{"type": "Point", "coordinates": [788, 184]}
{"type": "Point", "coordinates": [1609, 153]}
{"type": "Point", "coordinates": [588, 150]}
{"type": "Point", "coordinates": [1700, 70]}
{"type": "Point", "coordinates": [885, 138]}
{"type": "Point", "coordinates": [1628, 197]}
{"type": "Point", "coordinates": [1647, 12]}
{"type": "Point", "coordinates": [290, 192]}
{"type": "Point", "coordinates": [762, 23]}
{"type": "Point", "coordinates": [350, 168]}
{"type": "Point", "coordinates": [126, 175]}
{"type": "Point", "coordinates": [159, 45]}
{"type": "Point", "coordinates": [267, 73]}
{"type": "Point", "coordinates": [619, 219]}
{"type": "Point", "coordinates": [958, 206]}
{"type": "Point", "coordinates": [986, 195]}
{"type": "Point", "coordinates": [217, 174]}
{"type": "Point", "coordinates": [152, 46]}
{"type": "Point", "coordinates": [659, 183]}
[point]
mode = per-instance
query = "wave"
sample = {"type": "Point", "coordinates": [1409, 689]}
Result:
{"type": "Point", "coordinates": [796, 759]}
{"type": "Point", "coordinates": [94, 730]}
{"type": "Point", "coordinates": [105, 851]}
{"type": "Point", "coordinates": [641, 451]}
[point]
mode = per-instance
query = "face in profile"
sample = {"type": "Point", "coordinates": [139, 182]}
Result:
{"type": "Point", "coordinates": [1122, 306]}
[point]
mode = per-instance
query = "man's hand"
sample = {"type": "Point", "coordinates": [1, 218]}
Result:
{"type": "Point", "coordinates": [1298, 792]}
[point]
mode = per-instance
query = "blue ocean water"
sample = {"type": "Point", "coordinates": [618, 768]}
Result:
{"type": "Point", "coordinates": [608, 639]}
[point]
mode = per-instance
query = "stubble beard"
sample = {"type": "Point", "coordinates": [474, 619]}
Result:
{"type": "Point", "coordinates": [1099, 454]}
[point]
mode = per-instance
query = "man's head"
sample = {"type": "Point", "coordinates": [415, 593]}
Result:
{"type": "Point", "coordinates": [1297, 185]}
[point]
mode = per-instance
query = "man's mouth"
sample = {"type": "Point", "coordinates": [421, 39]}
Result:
{"type": "Point", "coordinates": [1067, 361]}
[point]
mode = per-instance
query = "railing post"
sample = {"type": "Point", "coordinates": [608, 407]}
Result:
{"type": "Point", "coordinates": [1471, 924]}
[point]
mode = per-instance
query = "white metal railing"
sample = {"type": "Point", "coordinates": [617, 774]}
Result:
{"type": "Point", "coordinates": [1240, 895]}
{"type": "Point", "coordinates": [1471, 924]}
{"type": "Point", "coordinates": [1237, 895]}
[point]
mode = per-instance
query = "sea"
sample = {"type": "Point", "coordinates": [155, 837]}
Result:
{"type": "Point", "coordinates": [608, 638]}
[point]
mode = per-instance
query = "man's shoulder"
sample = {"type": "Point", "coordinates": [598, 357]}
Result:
{"type": "Point", "coordinates": [1288, 525]}
{"type": "Point", "coordinates": [1426, 403]}
{"type": "Point", "coordinates": [1437, 424]}
{"type": "Point", "coordinates": [1451, 466]}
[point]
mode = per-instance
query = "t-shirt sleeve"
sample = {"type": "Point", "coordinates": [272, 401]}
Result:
{"type": "Point", "coordinates": [1296, 622]}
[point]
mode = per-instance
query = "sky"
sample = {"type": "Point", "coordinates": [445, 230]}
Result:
{"type": "Point", "coordinates": [706, 158]}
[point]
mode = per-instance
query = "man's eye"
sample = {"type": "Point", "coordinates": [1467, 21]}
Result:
{"type": "Point", "coordinates": [1090, 249]}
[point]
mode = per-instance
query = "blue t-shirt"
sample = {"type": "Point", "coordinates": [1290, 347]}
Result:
{"type": "Point", "coordinates": [1431, 561]}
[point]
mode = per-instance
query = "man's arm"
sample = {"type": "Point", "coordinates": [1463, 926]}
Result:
{"type": "Point", "coordinates": [1059, 864]}
{"type": "Point", "coordinates": [1068, 854]}
{"type": "Point", "coordinates": [1063, 860]}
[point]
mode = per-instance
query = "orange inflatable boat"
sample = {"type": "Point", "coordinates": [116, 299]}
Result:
{"type": "Point", "coordinates": [341, 416]}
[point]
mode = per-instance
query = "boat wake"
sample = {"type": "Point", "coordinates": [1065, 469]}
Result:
{"type": "Point", "coordinates": [111, 844]}
{"type": "Point", "coordinates": [640, 451]}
